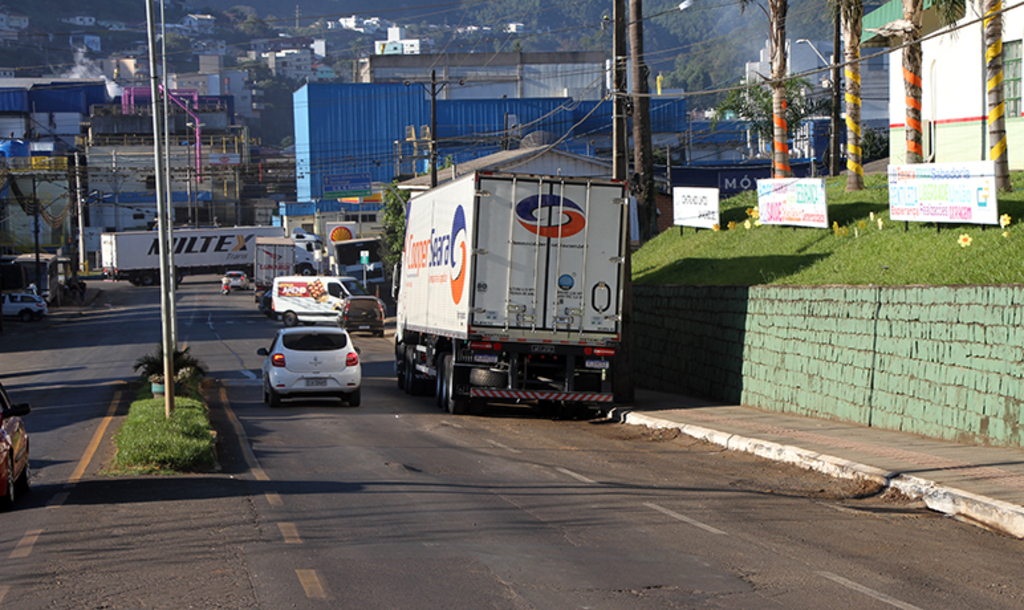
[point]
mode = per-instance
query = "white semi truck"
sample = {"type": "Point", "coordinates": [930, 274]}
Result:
{"type": "Point", "coordinates": [510, 289]}
{"type": "Point", "coordinates": [134, 256]}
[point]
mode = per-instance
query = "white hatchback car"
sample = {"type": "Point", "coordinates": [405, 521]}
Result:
{"type": "Point", "coordinates": [28, 307]}
{"type": "Point", "coordinates": [235, 280]}
{"type": "Point", "coordinates": [309, 362]}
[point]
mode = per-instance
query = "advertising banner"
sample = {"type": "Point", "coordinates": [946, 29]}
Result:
{"type": "Point", "coordinates": [796, 202]}
{"type": "Point", "coordinates": [695, 207]}
{"type": "Point", "coordinates": [944, 192]}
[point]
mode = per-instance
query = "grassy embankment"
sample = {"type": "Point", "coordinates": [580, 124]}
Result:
{"type": "Point", "coordinates": [859, 252]}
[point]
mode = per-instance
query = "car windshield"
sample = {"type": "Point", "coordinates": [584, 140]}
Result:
{"type": "Point", "coordinates": [314, 342]}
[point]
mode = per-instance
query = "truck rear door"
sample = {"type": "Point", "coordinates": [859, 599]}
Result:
{"type": "Point", "coordinates": [548, 262]}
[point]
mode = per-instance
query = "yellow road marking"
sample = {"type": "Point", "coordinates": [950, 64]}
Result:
{"type": "Point", "coordinates": [273, 499]}
{"type": "Point", "coordinates": [94, 444]}
{"type": "Point", "coordinates": [290, 533]}
{"type": "Point", "coordinates": [25, 545]}
{"type": "Point", "coordinates": [311, 584]}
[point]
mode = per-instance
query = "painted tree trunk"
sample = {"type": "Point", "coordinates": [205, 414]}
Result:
{"type": "Point", "coordinates": [913, 11]}
{"type": "Point", "coordinates": [996, 96]}
{"type": "Point", "coordinates": [780, 130]}
{"type": "Point", "coordinates": [853, 14]}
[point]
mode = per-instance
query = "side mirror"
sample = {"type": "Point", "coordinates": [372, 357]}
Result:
{"type": "Point", "coordinates": [262, 352]}
{"type": "Point", "coordinates": [19, 410]}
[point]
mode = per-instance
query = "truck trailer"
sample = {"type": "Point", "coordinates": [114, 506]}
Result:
{"type": "Point", "coordinates": [510, 289]}
{"type": "Point", "coordinates": [134, 256]}
{"type": "Point", "coordinates": [276, 256]}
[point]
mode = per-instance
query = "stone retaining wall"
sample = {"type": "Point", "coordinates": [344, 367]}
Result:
{"type": "Point", "coordinates": [945, 362]}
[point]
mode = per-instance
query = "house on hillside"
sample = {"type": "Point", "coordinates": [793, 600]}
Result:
{"type": "Point", "coordinates": [954, 98]}
{"type": "Point", "coordinates": [199, 24]}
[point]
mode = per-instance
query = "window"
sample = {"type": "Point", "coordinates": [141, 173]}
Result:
{"type": "Point", "coordinates": [1012, 77]}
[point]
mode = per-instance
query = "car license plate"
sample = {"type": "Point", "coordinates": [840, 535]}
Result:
{"type": "Point", "coordinates": [364, 326]}
{"type": "Point", "coordinates": [316, 383]}
{"type": "Point", "coordinates": [597, 364]}
{"type": "Point", "coordinates": [485, 358]}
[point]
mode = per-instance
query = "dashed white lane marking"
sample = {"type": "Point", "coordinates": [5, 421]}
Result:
{"type": "Point", "coordinates": [882, 597]}
{"type": "Point", "coordinates": [290, 533]}
{"type": "Point", "coordinates": [577, 476]}
{"type": "Point", "coordinates": [311, 583]}
{"type": "Point", "coordinates": [684, 519]}
{"type": "Point", "coordinates": [505, 447]}
{"type": "Point", "coordinates": [26, 544]}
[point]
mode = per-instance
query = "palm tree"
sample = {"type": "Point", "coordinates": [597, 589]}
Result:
{"type": "Point", "coordinates": [996, 97]}
{"type": "Point", "coordinates": [852, 13]}
{"type": "Point", "coordinates": [776, 13]}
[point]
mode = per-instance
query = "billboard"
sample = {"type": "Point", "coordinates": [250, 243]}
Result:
{"type": "Point", "coordinates": [796, 202]}
{"type": "Point", "coordinates": [944, 192]}
{"type": "Point", "coordinates": [695, 207]}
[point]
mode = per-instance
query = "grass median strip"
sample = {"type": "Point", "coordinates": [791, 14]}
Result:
{"type": "Point", "coordinates": [150, 443]}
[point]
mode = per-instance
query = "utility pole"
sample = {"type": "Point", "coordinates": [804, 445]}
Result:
{"type": "Point", "coordinates": [835, 153]}
{"type": "Point", "coordinates": [643, 155]}
{"type": "Point", "coordinates": [622, 374]}
{"type": "Point", "coordinates": [433, 128]}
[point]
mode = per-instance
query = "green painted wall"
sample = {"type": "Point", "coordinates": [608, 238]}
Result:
{"type": "Point", "coordinates": [957, 142]}
{"type": "Point", "coordinates": [946, 362]}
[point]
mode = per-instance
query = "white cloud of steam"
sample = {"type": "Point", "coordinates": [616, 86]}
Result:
{"type": "Point", "coordinates": [86, 68]}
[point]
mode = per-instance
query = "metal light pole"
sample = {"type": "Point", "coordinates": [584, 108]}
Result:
{"type": "Point", "coordinates": [169, 348]}
{"type": "Point", "coordinates": [834, 86]}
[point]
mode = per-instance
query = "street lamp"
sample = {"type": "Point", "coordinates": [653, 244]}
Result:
{"type": "Point", "coordinates": [834, 85]}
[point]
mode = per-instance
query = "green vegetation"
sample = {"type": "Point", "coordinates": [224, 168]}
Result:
{"type": "Point", "coordinates": [856, 251]}
{"type": "Point", "coordinates": [148, 442]}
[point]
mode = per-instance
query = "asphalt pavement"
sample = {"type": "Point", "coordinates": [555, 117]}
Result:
{"type": "Point", "coordinates": [980, 484]}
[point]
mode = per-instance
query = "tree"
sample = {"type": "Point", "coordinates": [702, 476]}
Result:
{"type": "Point", "coordinates": [777, 10]}
{"type": "Point", "coordinates": [910, 27]}
{"type": "Point", "coordinates": [852, 14]}
{"type": "Point", "coordinates": [393, 222]}
{"type": "Point", "coordinates": [754, 104]}
{"type": "Point", "coordinates": [996, 99]}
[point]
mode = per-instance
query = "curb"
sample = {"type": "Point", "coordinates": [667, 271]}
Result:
{"type": "Point", "coordinates": [980, 510]}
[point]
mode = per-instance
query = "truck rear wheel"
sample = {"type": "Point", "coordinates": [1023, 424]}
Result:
{"type": "Point", "coordinates": [453, 403]}
{"type": "Point", "coordinates": [290, 319]}
{"type": "Point", "coordinates": [147, 280]}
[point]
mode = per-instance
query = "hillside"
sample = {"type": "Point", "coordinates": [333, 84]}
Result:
{"type": "Point", "coordinates": [860, 252]}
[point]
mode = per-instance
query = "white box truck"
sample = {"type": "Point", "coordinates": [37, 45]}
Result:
{"type": "Point", "coordinates": [276, 256]}
{"type": "Point", "coordinates": [510, 289]}
{"type": "Point", "coordinates": [135, 255]}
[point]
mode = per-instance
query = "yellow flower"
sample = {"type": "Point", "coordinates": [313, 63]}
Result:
{"type": "Point", "coordinates": [862, 225]}
{"type": "Point", "coordinates": [732, 225]}
{"type": "Point", "coordinates": [746, 224]}
{"type": "Point", "coordinates": [757, 223]}
{"type": "Point", "coordinates": [1006, 233]}
{"type": "Point", "coordinates": [835, 228]}
{"type": "Point", "coordinates": [879, 224]}
{"type": "Point", "coordinates": [843, 231]}
{"type": "Point", "coordinates": [965, 240]}
{"type": "Point", "coordinates": [716, 228]}
{"type": "Point", "coordinates": [1004, 220]}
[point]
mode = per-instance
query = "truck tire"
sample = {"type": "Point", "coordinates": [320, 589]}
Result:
{"type": "Point", "coordinates": [147, 279]}
{"type": "Point", "coordinates": [290, 319]}
{"type": "Point", "coordinates": [453, 403]}
{"type": "Point", "coordinates": [486, 378]}
{"type": "Point", "coordinates": [307, 271]}
{"type": "Point", "coordinates": [413, 386]}
{"type": "Point", "coordinates": [440, 393]}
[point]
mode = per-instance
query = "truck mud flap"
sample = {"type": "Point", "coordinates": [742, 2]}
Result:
{"type": "Point", "coordinates": [533, 395]}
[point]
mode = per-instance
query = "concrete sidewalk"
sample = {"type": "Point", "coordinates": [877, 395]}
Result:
{"type": "Point", "coordinates": [982, 484]}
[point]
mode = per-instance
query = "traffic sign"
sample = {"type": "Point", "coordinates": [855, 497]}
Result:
{"type": "Point", "coordinates": [336, 186]}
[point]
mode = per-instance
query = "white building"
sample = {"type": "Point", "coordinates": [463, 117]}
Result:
{"type": "Point", "coordinates": [199, 24]}
{"type": "Point", "coordinates": [954, 106]}
{"type": "Point", "coordinates": [397, 43]}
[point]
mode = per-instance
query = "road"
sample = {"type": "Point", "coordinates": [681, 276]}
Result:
{"type": "Point", "coordinates": [396, 504]}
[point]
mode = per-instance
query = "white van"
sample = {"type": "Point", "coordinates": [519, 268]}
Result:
{"type": "Point", "coordinates": [311, 298]}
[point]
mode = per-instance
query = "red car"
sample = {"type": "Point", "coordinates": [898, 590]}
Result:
{"type": "Point", "coordinates": [14, 470]}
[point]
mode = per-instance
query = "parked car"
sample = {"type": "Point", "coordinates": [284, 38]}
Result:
{"type": "Point", "coordinates": [25, 306]}
{"type": "Point", "coordinates": [363, 313]}
{"type": "Point", "coordinates": [235, 280]}
{"type": "Point", "coordinates": [14, 469]}
{"type": "Point", "coordinates": [316, 361]}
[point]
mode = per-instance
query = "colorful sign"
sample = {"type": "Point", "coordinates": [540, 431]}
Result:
{"type": "Point", "coordinates": [795, 202]}
{"type": "Point", "coordinates": [695, 207]}
{"type": "Point", "coordinates": [341, 231]}
{"type": "Point", "coordinates": [944, 192]}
